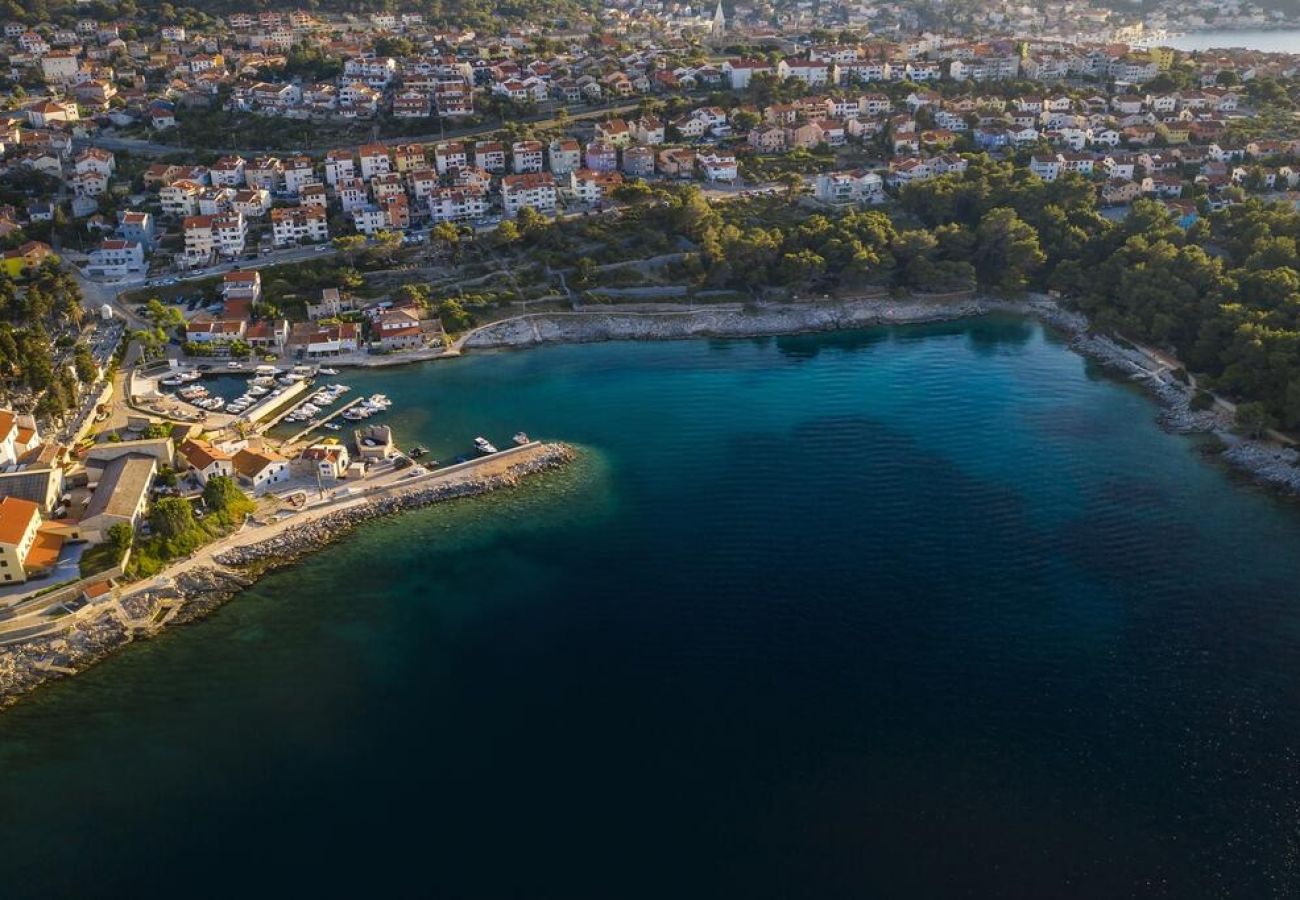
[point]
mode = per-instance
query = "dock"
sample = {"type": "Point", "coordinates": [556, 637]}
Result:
{"type": "Point", "coordinates": [319, 422]}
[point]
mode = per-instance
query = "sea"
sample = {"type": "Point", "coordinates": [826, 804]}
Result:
{"type": "Point", "coordinates": [928, 611]}
{"type": "Point", "coordinates": [1281, 40]}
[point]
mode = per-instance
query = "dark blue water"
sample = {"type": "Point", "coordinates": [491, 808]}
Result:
{"type": "Point", "coordinates": [928, 612]}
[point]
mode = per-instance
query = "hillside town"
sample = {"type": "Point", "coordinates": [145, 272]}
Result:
{"type": "Point", "coordinates": [201, 217]}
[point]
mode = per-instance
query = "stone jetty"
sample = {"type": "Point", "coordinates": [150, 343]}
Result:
{"type": "Point", "coordinates": [194, 592]}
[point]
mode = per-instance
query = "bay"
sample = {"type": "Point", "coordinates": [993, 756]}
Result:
{"type": "Point", "coordinates": [928, 611]}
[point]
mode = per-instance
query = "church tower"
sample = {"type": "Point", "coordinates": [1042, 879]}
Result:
{"type": "Point", "coordinates": [718, 28]}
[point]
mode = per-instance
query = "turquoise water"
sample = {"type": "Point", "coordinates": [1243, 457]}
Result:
{"type": "Point", "coordinates": [921, 612]}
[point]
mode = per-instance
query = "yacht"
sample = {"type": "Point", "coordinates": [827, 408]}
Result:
{"type": "Point", "coordinates": [483, 445]}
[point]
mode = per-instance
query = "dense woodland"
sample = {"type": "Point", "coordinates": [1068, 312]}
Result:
{"type": "Point", "coordinates": [41, 357]}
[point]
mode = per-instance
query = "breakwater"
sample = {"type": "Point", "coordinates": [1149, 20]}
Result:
{"type": "Point", "coordinates": [195, 591]}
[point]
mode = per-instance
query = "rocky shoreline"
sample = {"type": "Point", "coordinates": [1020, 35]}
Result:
{"type": "Point", "coordinates": [1271, 465]}
{"type": "Point", "coordinates": [195, 593]}
{"type": "Point", "coordinates": [1264, 461]}
{"type": "Point", "coordinates": [723, 321]}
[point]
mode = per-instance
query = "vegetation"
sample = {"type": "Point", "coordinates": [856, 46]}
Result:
{"type": "Point", "coordinates": [179, 531]}
{"type": "Point", "coordinates": [102, 557]}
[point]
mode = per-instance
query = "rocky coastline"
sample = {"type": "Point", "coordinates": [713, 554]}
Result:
{"type": "Point", "coordinates": [645, 323]}
{"type": "Point", "coordinates": [196, 592]}
{"type": "Point", "coordinates": [1264, 461]}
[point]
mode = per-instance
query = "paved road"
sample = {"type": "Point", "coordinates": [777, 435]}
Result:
{"type": "Point", "coordinates": [543, 119]}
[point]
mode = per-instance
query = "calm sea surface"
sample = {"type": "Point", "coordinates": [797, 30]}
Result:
{"type": "Point", "coordinates": [922, 612]}
{"type": "Point", "coordinates": [1268, 41]}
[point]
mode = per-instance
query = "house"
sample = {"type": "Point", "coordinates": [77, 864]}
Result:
{"type": "Point", "coordinates": [1048, 168]}
{"type": "Point", "coordinates": [203, 460]}
{"type": "Point", "coordinates": [299, 225]}
{"type": "Point", "coordinates": [326, 460]}
{"type": "Point", "coordinates": [850, 187]}
{"type": "Point", "coordinates": [740, 72]}
{"type": "Point", "coordinates": [1120, 192]}
{"type": "Point", "coordinates": [270, 335]}
{"type": "Point", "coordinates": [116, 258]}
{"type": "Point", "coordinates": [242, 285]}
{"type": "Point", "coordinates": [260, 470]}
{"type": "Point", "coordinates": [638, 161]}
{"type": "Point", "coordinates": [398, 329]}
{"type": "Point", "coordinates": [121, 493]}
{"type": "Point", "coordinates": [215, 332]}
{"type": "Point", "coordinates": [717, 166]}
{"type": "Point", "coordinates": [527, 157]}
{"type": "Point", "coordinates": [767, 138]}
{"type": "Point", "coordinates": [614, 132]}
{"type": "Point", "coordinates": [590, 186]}
{"type": "Point", "coordinates": [565, 156]}
{"type": "Point", "coordinates": [534, 189]}
{"type": "Point", "coordinates": [374, 161]}
{"type": "Point", "coordinates": [316, 341]}
{"type": "Point", "coordinates": [134, 225]}
{"type": "Point", "coordinates": [808, 71]}
{"type": "Point", "coordinates": [28, 256]}
{"type": "Point", "coordinates": [601, 157]}
{"type": "Point", "coordinates": [26, 548]}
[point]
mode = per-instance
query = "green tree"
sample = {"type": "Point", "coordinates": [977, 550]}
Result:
{"type": "Point", "coordinates": [172, 518]}
{"type": "Point", "coordinates": [1007, 252]}
{"type": "Point", "coordinates": [1254, 420]}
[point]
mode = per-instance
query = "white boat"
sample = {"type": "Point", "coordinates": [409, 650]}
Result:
{"type": "Point", "coordinates": [520, 438]}
{"type": "Point", "coordinates": [267, 371]}
{"type": "Point", "coordinates": [309, 409]}
{"type": "Point", "coordinates": [333, 426]}
{"type": "Point", "coordinates": [379, 401]}
{"type": "Point", "coordinates": [258, 390]}
{"type": "Point", "coordinates": [355, 414]}
{"type": "Point", "coordinates": [304, 371]}
{"type": "Point", "coordinates": [190, 376]}
{"type": "Point", "coordinates": [483, 445]}
{"type": "Point", "coordinates": [330, 372]}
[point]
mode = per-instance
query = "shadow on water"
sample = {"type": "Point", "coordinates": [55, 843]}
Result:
{"type": "Point", "coordinates": [808, 346]}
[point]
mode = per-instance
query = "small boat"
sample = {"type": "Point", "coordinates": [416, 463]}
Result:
{"type": "Point", "coordinates": [355, 414]}
{"type": "Point", "coordinates": [520, 438]}
{"type": "Point", "coordinates": [173, 381]}
{"type": "Point", "coordinates": [417, 451]}
{"type": "Point", "coordinates": [333, 426]}
{"type": "Point", "coordinates": [379, 401]}
{"type": "Point", "coordinates": [190, 376]}
{"type": "Point", "coordinates": [267, 371]}
{"type": "Point", "coordinates": [483, 445]}
{"type": "Point", "coordinates": [304, 371]}
{"type": "Point", "coordinates": [329, 372]}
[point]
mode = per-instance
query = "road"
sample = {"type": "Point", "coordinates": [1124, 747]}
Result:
{"type": "Point", "coordinates": [542, 119]}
